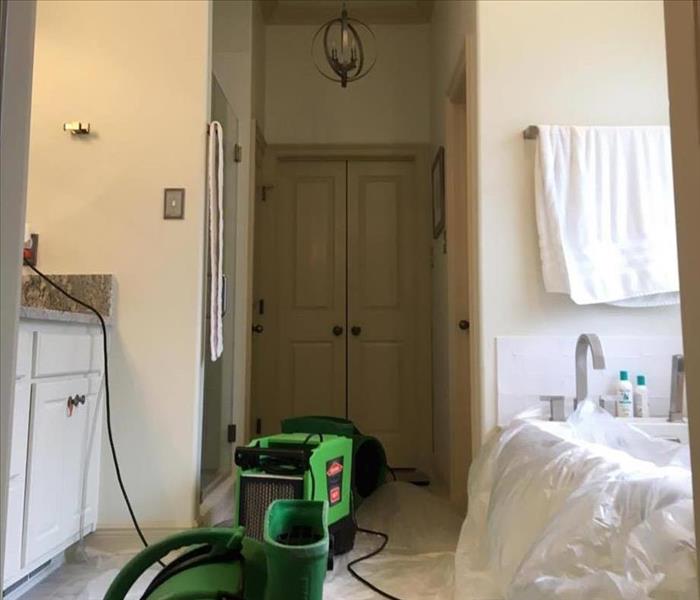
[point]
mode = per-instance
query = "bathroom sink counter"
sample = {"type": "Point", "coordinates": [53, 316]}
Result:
{"type": "Point", "coordinates": [40, 301]}
{"type": "Point", "coordinates": [63, 316]}
{"type": "Point", "coordinates": [661, 427]}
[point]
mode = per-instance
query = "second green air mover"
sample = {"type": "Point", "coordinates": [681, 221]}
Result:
{"type": "Point", "coordinates": [314, 458]}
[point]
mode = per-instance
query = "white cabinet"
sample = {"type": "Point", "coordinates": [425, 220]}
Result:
{"type": "Point", "coordinates": [62, 353]}
{"type": "Point", "coordinates": [15, 499]}
{"type": "Point", "coordinates": [56, 440]}
{"type": "Point", "coordinates": [54, 471]}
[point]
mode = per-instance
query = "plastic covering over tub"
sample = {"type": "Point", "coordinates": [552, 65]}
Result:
{"type": "Point", "coordinates": [588, 509]}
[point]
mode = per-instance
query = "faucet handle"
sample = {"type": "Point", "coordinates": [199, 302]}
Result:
{"type": "Point", "coordinates": [678, 363]}
{"type": "Point", "coordinates": [557, 408]}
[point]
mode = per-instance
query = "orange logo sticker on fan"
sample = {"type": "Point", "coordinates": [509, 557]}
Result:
{"type": "Point", "coordinates": [334, 469]}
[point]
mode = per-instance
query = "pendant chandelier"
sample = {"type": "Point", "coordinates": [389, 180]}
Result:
{"type": "Point", "coordinates": [344, 49]}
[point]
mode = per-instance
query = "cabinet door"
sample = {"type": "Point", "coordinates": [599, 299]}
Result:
{"type": "Point", "coordinates": [52, 455]}
{"type": "Point", "coordinates": [18, 466]}
{"type": "Point", "coordinates": [81, 460]}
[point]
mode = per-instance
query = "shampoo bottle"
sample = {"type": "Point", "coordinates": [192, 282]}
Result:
{"type": "Point", "coordinates": [641, 398]}
{"type": "Point", "coordinates": [624, 396]}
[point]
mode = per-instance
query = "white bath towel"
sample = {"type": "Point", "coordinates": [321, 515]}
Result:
{"type": "Point", "coordinates": [605, 214]}
{"type": "Point", "coordinates": [215, 194]}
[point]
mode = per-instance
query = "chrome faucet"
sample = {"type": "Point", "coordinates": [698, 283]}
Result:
{"type": "Point", "coordinates": [675, 412]}
{"type": "Point", "coordinates": [586, 341]}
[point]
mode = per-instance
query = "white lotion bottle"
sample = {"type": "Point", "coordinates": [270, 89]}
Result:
{"type": "Point", "coordinates": [641, 398]}
{"type": "Point", "coordinates": [624, 396]}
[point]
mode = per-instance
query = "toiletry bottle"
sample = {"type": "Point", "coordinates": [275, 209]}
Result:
{"type": "Point", "coordinates": [641, 397]}
{"type": "Point", "coordinates": [624, 396]}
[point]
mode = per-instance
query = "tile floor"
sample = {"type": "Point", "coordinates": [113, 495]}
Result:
{"type": "Point", "coordinates": [90, 568]}
{"type": "Point", "coordinates": [418, 519]}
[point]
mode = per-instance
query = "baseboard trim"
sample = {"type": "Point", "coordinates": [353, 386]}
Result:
{"type": "Point", "coordinates": [152, 534]}
{"type": "Point", "coordinates": [34, 578]}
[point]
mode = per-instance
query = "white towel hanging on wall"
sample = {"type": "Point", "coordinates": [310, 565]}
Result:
{"type": "Point", "coordinates": [215, 194]}
{"type": "Point", "coordinates": [605, 214]}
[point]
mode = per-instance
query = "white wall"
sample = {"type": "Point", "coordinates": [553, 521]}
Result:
{"type": "Point", "coordinates": [17, 41]}
{"type": "Point", "coordinates": [139, 72]}
{"type": "Point", "coordinates": [451, 21]}
{"type": "Point", "coordinates": [584, 63]}
{"type": "Point", "coordinates": [390, 105]}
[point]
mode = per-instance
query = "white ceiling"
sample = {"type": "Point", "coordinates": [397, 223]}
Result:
{"type": "Point", "coordinates": [317, 12]}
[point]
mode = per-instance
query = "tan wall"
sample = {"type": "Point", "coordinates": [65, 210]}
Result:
{"type": "Point", "coordinates": [578, 63]}
{"type": "Point", "coordinates": [390, 105]}
{"type": "Point", "coordinates": [139, 72]}
{"type": "Point", "coordinates": [683, 46]}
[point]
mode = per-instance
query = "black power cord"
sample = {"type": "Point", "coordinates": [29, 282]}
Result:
{"type": "Point", "coordinates": [352, 563]}
{"type": "Point", "coordinates": [107, 402]}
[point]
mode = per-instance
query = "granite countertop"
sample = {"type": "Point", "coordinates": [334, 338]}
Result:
{"type": "Point", "coordinates": [42, 301]}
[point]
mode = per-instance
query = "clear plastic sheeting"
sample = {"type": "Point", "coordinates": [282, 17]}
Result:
{"type": "Point", "coordinates": [418, 562]}
{"type": "Point", "coordinates": [589, 509]}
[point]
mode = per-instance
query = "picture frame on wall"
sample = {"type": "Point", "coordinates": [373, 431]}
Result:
{"type": "Point", "coordinates": [438, 190]}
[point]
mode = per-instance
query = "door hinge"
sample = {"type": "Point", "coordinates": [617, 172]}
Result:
{"type": "Point", "coordinates": [261, 306]}
{"type": "Point", "coordinates": [237, 153]}
{"type": "Point", "coordinates": [263, 192]}
{"type": "Point", "coordinates": [231, 434]}
{"type": "Point", "coordinates": [258, 425]}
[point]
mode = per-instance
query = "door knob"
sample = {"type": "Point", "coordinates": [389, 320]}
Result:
{"type": "Point", "coordinates": [355, 330]}
{"type": "Point", "coordinates": [464, 324]}
{"type": "Point", "coordinates": [258, 328]}
{"type": "Point", "coordinates": [337, 330]}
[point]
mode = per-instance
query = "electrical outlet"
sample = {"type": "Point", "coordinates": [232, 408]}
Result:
{"type": "Point", "coordinates": [31, 250]}
{"type": "Point", "coordinates": [174, 203]}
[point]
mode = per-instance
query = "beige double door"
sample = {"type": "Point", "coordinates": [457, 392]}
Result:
{"type": "Point", "coordinates": [346, 310]}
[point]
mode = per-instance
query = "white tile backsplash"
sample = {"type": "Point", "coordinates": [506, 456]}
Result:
{"type": "Point", "coordinates": [532, 366]}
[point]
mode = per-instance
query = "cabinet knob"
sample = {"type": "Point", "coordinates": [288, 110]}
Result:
{"type": "Point", "coordinates": [356, 330]}
{"type": "Point", "coordinates": [258, 328]}
{"type": "Point", "coordinates": [73, 403]}
{"type": "Point", "coordinates": [464, 324]}
{"type": "Point", "coordinates": [337, 330]}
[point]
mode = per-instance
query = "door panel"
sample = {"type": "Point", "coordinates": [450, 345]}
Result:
{"type": "Point", "coordinates": [381, 257]}
{"type": "Point", "coordinates": [80, 448]}
{"type": "Point", "coordinates": [311, 394]}
{"type": "Point", "coordinates": [379, 373]}
{"type": "Point", "coordinates": [314, 264]}
{"type": "Point", "coordinates": [379, 243]}
{"type": "Point", "coordinates": [310, 265]}
{"type": "Point", "coordinates": [52, 489]}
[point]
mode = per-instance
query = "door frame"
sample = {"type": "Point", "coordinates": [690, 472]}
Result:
{"type": "Point", "coordinates": [457, 242]}
{"type": "Point", "coordinates": [464, 386]}
{"type": "Point", "coordinates": [17, 24]}
{"type": "Point", "coordinates": [420, 155]}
